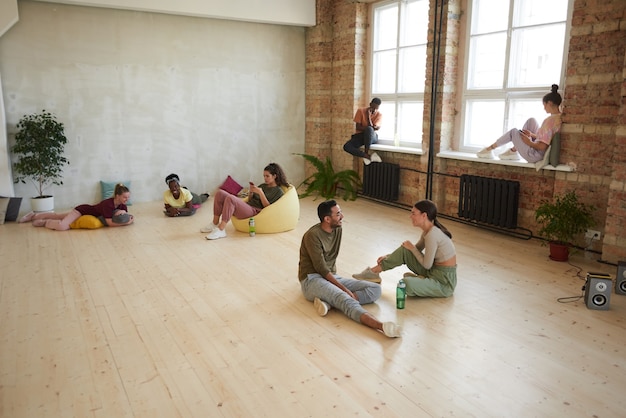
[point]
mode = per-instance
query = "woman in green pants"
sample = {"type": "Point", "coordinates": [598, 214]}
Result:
{"type": "Point", "coordinates": [432, 260]}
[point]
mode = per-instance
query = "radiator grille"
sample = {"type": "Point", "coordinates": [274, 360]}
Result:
{"type": "Point", "coordinates": [381, 181]}
{"type": "Point", "coordinates": [488, 200]}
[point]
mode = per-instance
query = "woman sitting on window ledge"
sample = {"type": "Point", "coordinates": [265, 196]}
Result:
{"type": "Point", "coordinates": [531, 142]}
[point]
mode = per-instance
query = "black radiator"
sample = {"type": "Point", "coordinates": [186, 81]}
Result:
{"type": "Point", "coordinates": [488, 200]}
{"type": "Point", "coordinates": [381, 181]}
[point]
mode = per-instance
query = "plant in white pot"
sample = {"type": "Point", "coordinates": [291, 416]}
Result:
{"type": "Point", "coordinates": [562, 220]}
{"type": "Point", "coordinates": [39, 146]}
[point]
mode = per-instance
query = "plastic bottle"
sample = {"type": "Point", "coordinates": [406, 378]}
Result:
{"type": "Point", "coordinates": [251, 227]}
{"type": "Point", "coordinates": [400, 294]}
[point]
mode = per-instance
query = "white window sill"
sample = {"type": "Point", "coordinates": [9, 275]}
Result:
{"type": "Point", "coordinates": [466, 156]}
{"type": "Point", "coordinates": [401, 150]}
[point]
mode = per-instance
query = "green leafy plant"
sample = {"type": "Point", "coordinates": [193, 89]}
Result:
{"type": "Point", "coordinates": [326, 181]}
{"type": "Point", "coordinates": [564, 218]}
{"type": "Point", "coordinates": [39, 146]}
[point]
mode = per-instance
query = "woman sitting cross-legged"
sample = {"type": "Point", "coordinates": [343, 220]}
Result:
{"type": "Point", "coordinates": [111, 212]}
{"type": "Point", "coordinates": [226, 205]}
{"type": "Point", "coordinates": [432, 260]}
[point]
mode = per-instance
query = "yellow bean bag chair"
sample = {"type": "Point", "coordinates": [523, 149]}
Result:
{"type": "Point", "coordinates": [280, 216]}
{"type": "Point", "coordinates": [86, 222]}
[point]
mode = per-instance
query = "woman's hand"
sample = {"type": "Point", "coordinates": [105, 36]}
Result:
{"type": "Point", "coordinates": [172, 211]}
{"type": "Point", "coordinates": [408, 245]}
{"type": "Point", "coordinates": [381, 258]}
{"type": "Point", "coordinates": [256, 189]}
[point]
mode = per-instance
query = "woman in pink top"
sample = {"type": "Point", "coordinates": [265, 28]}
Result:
{"type": "Point", "coordinates": [532, 141]}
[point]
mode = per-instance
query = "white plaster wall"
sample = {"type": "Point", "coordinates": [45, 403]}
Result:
{"type": "Point", "coordinates": [143, 95]}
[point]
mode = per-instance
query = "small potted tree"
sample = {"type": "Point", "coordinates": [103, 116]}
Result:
{"type": "Point", "coordinates": [326, 182]}
{"type": "Point", "coordinates": [39, 145]}
{"type": "Point", "coordinates": [562, 220]}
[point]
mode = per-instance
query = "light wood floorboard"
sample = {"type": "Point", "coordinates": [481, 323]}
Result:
{"type": "Point", "coordinates": [152, 320]}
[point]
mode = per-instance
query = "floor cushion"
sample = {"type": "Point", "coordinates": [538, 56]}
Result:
{"type": "Point", "coordinates": [87, 222]}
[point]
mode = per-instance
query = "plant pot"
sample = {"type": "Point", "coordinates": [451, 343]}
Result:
{"type": "Point", "coordinates": [559, 251]}
{"type": "Point", "coordinates": [42, 204]}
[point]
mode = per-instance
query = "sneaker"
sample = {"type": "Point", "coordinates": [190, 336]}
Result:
{"type": "Point", "coordinates": [392, 330]}
{"type": "Point", "coordinates": [368, 275]}
{"type": "Point", "coordinates": [376, 158]}
{"type": "Point", "coordinates": [321, 307]}
{"type": "Point", "coordinates": [207, 229]}
{"type": "Point", "coordinates": [367, 161]}
{"type": "Point", "coordinates": [27, 218]}
{"type": "Point", "coordinates": [217, 234]}
{"type": "Point", "coordinates": [486, 153]}
{"type": "Point", "coordinates": [509, 155]}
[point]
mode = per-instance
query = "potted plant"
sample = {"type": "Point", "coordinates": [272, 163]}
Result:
{"type": "Point", "coordinates": [39, 146]}
{"type": "Point", "coordinates": [326, 181]}
{"type": "Point", "coordinates": [562, 220]}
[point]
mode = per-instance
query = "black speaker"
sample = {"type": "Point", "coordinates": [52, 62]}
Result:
{"type": "Point", "coordinates": [620, 278]}
{"type": "Point", "coordinates": [597, 292]}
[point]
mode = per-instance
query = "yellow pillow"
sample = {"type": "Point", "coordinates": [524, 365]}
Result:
{"type": "Point", "coordinates": [86, 222]}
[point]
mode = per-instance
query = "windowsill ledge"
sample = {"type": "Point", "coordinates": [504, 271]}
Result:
{"type": "Point", "coordinates": [401, 150]}
{"type": "Point", "coordinates": [467, 156]}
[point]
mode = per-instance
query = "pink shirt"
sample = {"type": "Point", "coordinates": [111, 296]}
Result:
{"type": "Point", "coordinates": [550, 126]}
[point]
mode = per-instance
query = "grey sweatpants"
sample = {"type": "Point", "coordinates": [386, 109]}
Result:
{"type": "Point", "coordinates": [315, 286]}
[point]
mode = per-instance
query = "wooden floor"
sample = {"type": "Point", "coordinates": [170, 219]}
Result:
{"type": "Point", "coordinates": [152, 320]}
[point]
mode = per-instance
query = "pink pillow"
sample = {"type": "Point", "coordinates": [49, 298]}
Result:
{"type": "Point", "coordinates": [231, 186]}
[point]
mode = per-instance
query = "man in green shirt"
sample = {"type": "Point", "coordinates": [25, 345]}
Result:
{"type": "Point", "coordinates": [319, 281]}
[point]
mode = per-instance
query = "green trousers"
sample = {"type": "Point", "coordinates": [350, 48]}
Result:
{"type": "Point", "coordinates": [437, 282]}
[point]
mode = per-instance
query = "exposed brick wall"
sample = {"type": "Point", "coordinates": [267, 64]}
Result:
{"type": "Point", "coordinates": [593, 137]}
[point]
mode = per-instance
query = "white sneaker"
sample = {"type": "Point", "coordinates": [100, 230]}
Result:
{"type": "Point", "coordinates": [367, 161]}
{"type": "Point", "coordinates": [321, 307]}
{"type": "Point", "coordinates": [392, 330]}
{"type": "Point", "coordinates": [376, 158]}
{"type": "Point", "coordinates": [509, 155]}
{"type": "Point", "coordinates": [217, 234]}
{"type": "Point", "coordinates": [208, 228]}
{"type": "Point", "coordinates": [486, 153]}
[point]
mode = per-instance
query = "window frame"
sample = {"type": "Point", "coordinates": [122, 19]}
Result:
{"type": "Point", "coordinates": [397, 98]}
{"type": "Point", "coordinates": [503, 93]}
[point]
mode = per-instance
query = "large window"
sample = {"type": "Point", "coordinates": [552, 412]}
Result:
{"type": "Point", "coordinates": [514, 54]}
{"type": "Point", "coordinates": [398, 65]}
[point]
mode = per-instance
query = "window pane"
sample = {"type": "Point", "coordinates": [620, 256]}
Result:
{"type": "Point", "coordinates": [410, 118]}
{"type": "Point", "coordinates": [536, 12]}
{"type": "Point", "coordinates": [486, 63]}
{"type": "Point", "coordinates": [384, 72]}
{"type": "Point", "coordinates": [481, 126]}
{"type": "Point", "coordinates": [490, 16]}
{"type": "Point", "coordinates": [412, 71]}
{"type": "Point", "coordinates": [414, 28]}
{"type": "Point", "coordinates": [387, 126]}
{"type": "Point", "coordinates": [386, 27]}
{"type": "Point", "coordinates": [537, 55]}
{"type": "Point", "coordinates": [520, 110]}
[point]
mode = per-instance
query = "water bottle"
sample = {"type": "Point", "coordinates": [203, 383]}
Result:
{"type": "Point", "coordinates": [400, 294]}
{"type": "Point", "coordinates": [251, 227]}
